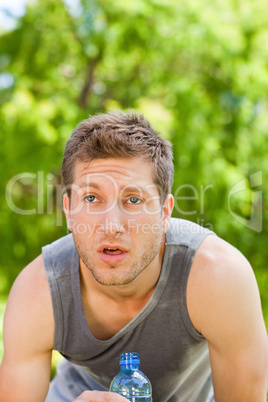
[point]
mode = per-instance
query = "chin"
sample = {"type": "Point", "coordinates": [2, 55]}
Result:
{"type": "Point", "coordinates": [113, 279]}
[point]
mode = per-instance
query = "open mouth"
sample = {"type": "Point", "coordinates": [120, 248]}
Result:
{"type": "Point", "coordinates": [112, 255]}
{"type": "Point", "coordinates": [112, 251]}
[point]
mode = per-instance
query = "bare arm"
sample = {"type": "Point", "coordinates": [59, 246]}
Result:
{"type": "Point", "coordinates": [224, 305]}
{"type": "Point", "coordinates": [28, 337]}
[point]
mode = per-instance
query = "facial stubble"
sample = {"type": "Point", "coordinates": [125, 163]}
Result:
{"type": "Point", "coordinates": [118, 274]}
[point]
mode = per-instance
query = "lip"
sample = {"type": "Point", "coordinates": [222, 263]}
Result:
{"type": "Point", "coordinates": [112, 259]}
{"type": "Point", "coordinates": [110, 245]}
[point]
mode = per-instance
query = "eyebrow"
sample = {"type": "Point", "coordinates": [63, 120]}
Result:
{"type": "Point", "coordinates": [133, 189]}
{"type": "Point", "coordinates": [89, 184]}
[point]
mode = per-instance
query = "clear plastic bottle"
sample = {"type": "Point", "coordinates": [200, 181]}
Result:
{"type": "Point", "coordinates": [130, 382]}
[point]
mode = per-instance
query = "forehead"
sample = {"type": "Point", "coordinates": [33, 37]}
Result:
{"type": "Point", "coordinates": [125, 171]}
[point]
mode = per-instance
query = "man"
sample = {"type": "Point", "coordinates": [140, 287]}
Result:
{"type": "Point", "coordinates": [130, 278]}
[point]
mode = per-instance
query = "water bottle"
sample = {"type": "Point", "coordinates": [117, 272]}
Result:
{"type": "Point", "coordinates": [130, 382]}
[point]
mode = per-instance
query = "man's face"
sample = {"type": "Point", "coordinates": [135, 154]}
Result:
{"type": "Point", "coordinates": [116, 218]}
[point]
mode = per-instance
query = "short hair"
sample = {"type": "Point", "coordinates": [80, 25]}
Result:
{"type": "Point", "coordinates": [119, 135]}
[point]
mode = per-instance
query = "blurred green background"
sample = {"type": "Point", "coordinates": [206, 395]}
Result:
{"type": "Point", "coordinates": [197, 70]}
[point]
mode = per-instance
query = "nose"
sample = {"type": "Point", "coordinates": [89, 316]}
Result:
{"type": "Point", "coordinates": [114, 221]}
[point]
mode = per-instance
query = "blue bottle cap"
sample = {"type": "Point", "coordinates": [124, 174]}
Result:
{"type": "Point", "coordinates": [129, 358]}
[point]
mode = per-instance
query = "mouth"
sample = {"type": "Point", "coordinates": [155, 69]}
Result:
{"type": "Point", "coordinates": [112, 254]}
{"type": "Point", "coordinates": [112, 251]}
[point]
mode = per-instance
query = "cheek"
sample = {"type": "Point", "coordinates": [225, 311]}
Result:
{"type": "Point", "coordinates": [152, 209]}
{"type": "Point", "coordinates": [147, 226]}
{"type": "Point", "coordinates": [82, 214]}
{"type": "Point", "coordinates": [82, 228]}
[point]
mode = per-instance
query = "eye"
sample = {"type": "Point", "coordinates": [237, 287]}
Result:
{"type": "Point", "coordinates": [90, 198]}
{"type": "Point", "coordinates": [134, 200]}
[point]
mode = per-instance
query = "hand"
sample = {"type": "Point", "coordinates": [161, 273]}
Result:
{"type": "Point", "coordinates": [99, 396]}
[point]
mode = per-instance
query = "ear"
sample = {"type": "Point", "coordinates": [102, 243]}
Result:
{"type": "Point", "coordinates": [66, 207]}
{"type": "Point", "coordinates": [167, 211]}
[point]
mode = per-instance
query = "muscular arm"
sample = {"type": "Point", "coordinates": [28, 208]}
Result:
{"type": "Point", "coordinates": [224, 305]}
{"type": "Point", "coordinates": [28, 337]}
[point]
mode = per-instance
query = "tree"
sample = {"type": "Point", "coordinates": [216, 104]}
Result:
{"type": "Point", "coordinates": [197, 70]}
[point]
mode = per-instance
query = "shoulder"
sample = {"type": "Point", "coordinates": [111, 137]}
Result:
{"type": "Point", "coordinates": [57, 256]}
{"type": "Point", "coordinates": [221, 287]}
{"type": "Point", "coordinates": [218, 263]}
{"type": "Point", "coordinates": [29, 312]}
{"type": "Point", "coordinates": [183, 232]}
{"type": "Point", "coordinates": [224, 305]}
{"type": "Point", "coordinates": [64, 246]}
{"type": "Point", "coordinates": [220, 260]}
{"type": "Point", "coordinates": [31, 282]}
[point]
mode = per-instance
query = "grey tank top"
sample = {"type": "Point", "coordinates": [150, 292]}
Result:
{"type": "Point", "coordinates": [173, 354]}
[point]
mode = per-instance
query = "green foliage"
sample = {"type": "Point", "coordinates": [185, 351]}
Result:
{"type": "Point", "coordinates": [197, 70]}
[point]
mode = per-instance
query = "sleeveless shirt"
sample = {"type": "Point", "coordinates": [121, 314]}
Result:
{"type": "Point", "coordinates": [174, 356]}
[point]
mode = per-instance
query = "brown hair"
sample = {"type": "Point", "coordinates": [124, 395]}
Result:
{"type": "Point", "coordinates": [119, 135]}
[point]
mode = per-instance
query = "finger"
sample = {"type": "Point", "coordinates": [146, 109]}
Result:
{"type": "Point", "coordinates": [99, 396]}
{"type": "Point", "coordinates": [81, 400]}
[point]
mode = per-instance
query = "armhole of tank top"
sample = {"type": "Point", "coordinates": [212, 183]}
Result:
{"type": "Point", "coordinates": [56, 299]}
{"type": "Point", "coordinates": [186, 268]}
